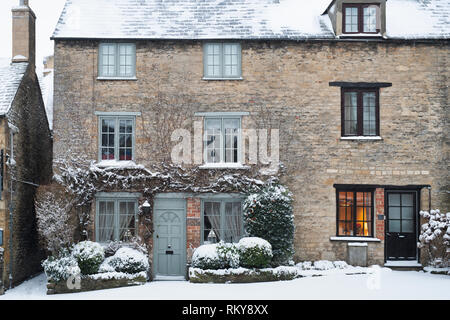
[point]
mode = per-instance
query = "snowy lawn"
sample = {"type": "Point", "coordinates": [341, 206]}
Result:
{"type": "Point", "coordinates": [384, 284]}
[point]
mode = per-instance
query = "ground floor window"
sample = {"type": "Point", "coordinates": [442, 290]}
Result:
{"type": "Point", "coordinates": [222, 220]}
{"type": "Point", "coordinates": [355, 213]}
{"type": "Point", "coordinates": [116, 219]}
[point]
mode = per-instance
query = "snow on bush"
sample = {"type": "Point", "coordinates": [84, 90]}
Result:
{"type": "Point", "coordinates": [53, 218]}
{"type": "Point", "coordinates": [112, 247]}
{"type": "Point", "coordinates": [254, 252]}
{"type": "Point", "coordinates": [89, 256]}
{"type": "Point", "coordinates": [125, 260]}
{"type": "Point", "coordinates": [228, 254]}
{"type": "Point", "coordinates": [61, 268]}
{"type": "Point", "coordinates": [323, 265]}
{"type": "Point", "coordinates": [434, 237]}
{"type": "Point", "coordinates": [269, 215]}
{"type": "Point", "coordinates": [206, 257]}
{"type": "Point", "coordinates": [340, 264]}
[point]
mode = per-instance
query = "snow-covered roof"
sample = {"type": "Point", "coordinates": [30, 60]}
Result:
{"type": "Point", "coordinates": [46, 83]}
{"type": "Point", "coordinates": [11, 75]}
{"type": "Point", "coordinates": [236, 19]}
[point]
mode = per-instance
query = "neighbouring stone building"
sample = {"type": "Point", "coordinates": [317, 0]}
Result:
{"type": "Point", "coordinates": [357, 93]}
{"type": "Point", "coordinates": [25, 153]}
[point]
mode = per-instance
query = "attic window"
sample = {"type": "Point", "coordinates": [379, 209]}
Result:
{"type": "Point", "coordinates": [361, 18]}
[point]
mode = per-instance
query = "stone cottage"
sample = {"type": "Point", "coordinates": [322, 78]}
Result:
{"type": "Point", "coordinates": [184, 105]}
{"type": "Point", "coordinates": [25, 153]}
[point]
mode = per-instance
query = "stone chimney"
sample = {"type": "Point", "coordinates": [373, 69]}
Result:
{"type": "Point", "coordinates": [23, 33]}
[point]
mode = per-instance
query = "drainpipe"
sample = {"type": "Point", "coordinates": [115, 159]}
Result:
{"type": "Point", "coordinates": [11, 208]}
{"type": "Point", "coordinates": [429, 198]}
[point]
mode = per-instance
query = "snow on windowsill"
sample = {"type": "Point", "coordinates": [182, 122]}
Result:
{"type": "Point", "coordinates": [362, 138]}
{"type": "Point", "coordinates": [354, 239]}
{"type": "Point", "coordinates": [224, 166]}
{"type": "Point", "coordinates": [118, 164]}
{"type": "Point", "coordinates": [118, 78]}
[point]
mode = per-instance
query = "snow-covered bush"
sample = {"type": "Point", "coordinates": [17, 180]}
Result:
{"type": "Point", "coordinates": [207, 257]}
{"type": "Point", "coordinates": [61, 268]}
{"type": "Point", "coordinates": [125, 260]}
{"type": "Point", "coordinates": [323, 265]}
{"type": "Point", "coordinates": [228, 254]}
{"type": "Point", "coordinates": [434, 237]}
{"type": "Point", "coordinates": [254, 252]}
{"type": "Point", "coordinates": [112, 247]}
{"type": "Point", "coordinates": [55, 229]}
{"type": "Point", "coordinates": [269, 215]}
{"type": "Point", "coordinates": [340, 264]}
{"type": "Point", "coordinates": [89, 256]}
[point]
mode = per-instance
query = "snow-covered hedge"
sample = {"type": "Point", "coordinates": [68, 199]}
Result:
{"type": "Point", "coordinates": [228, 255]}
{"type": "Point", "coordinates": [434, 237]}
{"type": "Point", "coordinates": [269, 215]}
{"type": "Point", "coordinates": [89, 256]}
{"type": "Point", "coordinates": [249, 252]}
{"type": "Point", "coordinates": [125, 260]}
{"type": "Point", "coordinates": [254, 252]}
{"type": "Point", "coordinates": [207, 257]}
{"type": "Point", "coordinates": [61, 268]}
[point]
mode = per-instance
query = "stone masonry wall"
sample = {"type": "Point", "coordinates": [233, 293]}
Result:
{"type": "Point", "coordinates": [285, 85]}
{"type": "Point", "coordinates": [33, 158]}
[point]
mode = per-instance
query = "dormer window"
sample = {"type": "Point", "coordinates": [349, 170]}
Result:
{"type": "Point", "coordinates": [361, 18]}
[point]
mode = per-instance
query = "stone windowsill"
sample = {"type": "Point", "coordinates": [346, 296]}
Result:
{"type": "Point", "coordinates": [354, 239]}
{"type": "Point", "coordinates": [224, 166]}
{"type": "Point", "coordinates": [361, 138]}
{"type": "Point", "coordinates": [222, 79]}
{"type": "Point", "coordinates": [117, 78]}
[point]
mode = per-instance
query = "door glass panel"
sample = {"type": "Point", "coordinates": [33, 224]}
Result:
{"type": "Point", "coordinates": [394, 199]}
{"type": "Point", "coordinates": [394, 225]}
{"type": "Point", "coordinates": [408, 213]}
{"type": "Point", "coordinates": [408, 226]}
{"type": "Point", "coordinates": [394, 213]}
{"type": "Point", "coordinates": [407, 200]}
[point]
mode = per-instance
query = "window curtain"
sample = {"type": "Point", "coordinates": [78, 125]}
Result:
{"type": "Point", "coordinates": [212, 222]}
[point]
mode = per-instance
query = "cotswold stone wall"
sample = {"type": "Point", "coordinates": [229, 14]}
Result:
{"type": "Point", "coordinates": [33, 164]}
{"type": "Point", "coordinates": [285, 85]}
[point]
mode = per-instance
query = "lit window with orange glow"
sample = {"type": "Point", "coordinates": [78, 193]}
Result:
{"type": "Point", "coordinates": [354, 213]}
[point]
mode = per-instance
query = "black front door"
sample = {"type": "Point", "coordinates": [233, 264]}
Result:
{"type": "Point", "coordinates": [401, 226]}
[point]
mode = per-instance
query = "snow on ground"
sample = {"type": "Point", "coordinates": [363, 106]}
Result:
{"type": "Point", "coordinates": [383, 284]}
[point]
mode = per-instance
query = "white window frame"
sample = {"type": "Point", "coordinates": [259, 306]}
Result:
{"type": "Point", "coordinates": [222, 141]}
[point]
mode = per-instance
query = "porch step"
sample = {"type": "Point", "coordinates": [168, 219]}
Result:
{"type": "Point", "coordinates": [404, 265]}
{"type": "Point", "coordinates": [169, 278]}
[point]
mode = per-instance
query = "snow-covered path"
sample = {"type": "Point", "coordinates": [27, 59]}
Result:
{"type": "Point", "coordinates": [386, 284]}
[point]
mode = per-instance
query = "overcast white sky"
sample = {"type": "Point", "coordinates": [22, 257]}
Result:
{"type": "Point", "coordinates": [47, 14]}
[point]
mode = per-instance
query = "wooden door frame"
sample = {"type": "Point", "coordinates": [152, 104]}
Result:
{"type": "Point", "coordinates": [410, 189]}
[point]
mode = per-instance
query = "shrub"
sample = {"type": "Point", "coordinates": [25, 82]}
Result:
{"type": "Point", "coordinates": [89, 256]}
{"type": "Point", "coordinates": [112, 247]}
{"type": "Point", "coordinates": [61, 268]}
{"type": "Point", "coordinates": [254, 252]}
{"type": "Point", "coordinates": [434, 237]}
{"type": "Point", "coordinates": [55, 228]}
{"type": "Point", "coordinates": [207, 257]}
{"type": "Point", "coordinates": [125, 260]}
{"type": "Point", "coordinates": [228, 255]}
{"type": "Point", "coordinates": [269, 215]}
